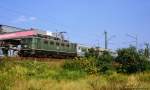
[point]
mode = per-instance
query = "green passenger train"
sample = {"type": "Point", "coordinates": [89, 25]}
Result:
{"type": "Point", "coordinates": [47, 47]}
{"type": "Point", "coordinates": [34, 43]}
{"type": "Point", "coordinates": [30, 43]}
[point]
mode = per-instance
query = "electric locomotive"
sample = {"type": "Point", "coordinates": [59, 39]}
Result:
{"type": "Point", "coordinates": [28, 43]}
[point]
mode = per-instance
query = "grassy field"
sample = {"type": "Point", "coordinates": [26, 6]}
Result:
{"type": "Point", "coordinates": [24, 74]}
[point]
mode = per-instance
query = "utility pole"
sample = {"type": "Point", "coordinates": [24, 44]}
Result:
{"type": "Point", "coordinates": [106, 40]}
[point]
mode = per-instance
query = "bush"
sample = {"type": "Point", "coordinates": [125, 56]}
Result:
{"type": "Point", "coordinates": [131, 61]}
{"type": "Point", "coordinates": [82, 64]}
{"type": "Point", "coordinates": [104, 63]}
{"type": "Point", "coordinates": [92, 65]}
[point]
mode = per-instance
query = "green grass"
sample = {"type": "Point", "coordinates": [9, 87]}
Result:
{"type": "Point", "coordinates": [19, 74]}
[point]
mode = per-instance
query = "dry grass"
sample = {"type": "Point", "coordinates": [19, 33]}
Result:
{"type": "Point", "coordinates": [15, 77]}
{"type": "Point", "coordinates": [50, 85]}
{"type": "Point", "coordinates": [124, 82]}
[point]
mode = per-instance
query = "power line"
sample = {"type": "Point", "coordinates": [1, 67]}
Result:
{"type": "Point", "coordinates": [135, 37]}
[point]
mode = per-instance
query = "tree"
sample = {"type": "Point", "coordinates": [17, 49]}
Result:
{"type": "Point", "coordinates": [130, 60]}
{"type": "Point", "coordinates": [104, 62]}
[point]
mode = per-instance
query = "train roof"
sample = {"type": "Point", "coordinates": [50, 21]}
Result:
{"type": "Point", "coordinates": [18, 34]}
{"type": "Point", "coordinates": [10, 32]}
{"type": "Point", "coordinates": [26, 34]}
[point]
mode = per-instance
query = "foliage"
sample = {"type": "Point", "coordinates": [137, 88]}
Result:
{"type": "Point", "coordinates": [82, 64]}
{"type": "Point", "coordinates": [34, 75]}
{"type": "Point", "coordinates": [131, 61]}
{"type": "Point", "coordinates": [104, 62]}
{"type": "Point", "coordinates": [10, 71]}
{"type": "Point", "coordinates": [92, 65]}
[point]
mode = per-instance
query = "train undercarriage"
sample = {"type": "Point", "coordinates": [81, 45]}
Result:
{"type": "Point", "coordinates": [45, 54]}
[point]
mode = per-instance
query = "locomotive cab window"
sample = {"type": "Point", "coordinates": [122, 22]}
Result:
{"type": "Point", "coordinates": [52, 43]}
{"type": "Point", "coordinates": [57, 43]}
{"type": "Point", "coordinates": [62, 44]}
{"type": "Point", "coordinates": [46, 41]}
{"type": "Point", "coordinates": [67, 45]}
{"type": "Point", "coordinates": [72, 45]}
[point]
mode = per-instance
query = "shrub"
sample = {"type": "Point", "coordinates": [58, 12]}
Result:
{"type": "Point", "coordinates": [104, 63]}
{"type": "Point", "coordinates": [82, 64]}
{"type": "Point", "coordinates": [91, 65]}
{"type": "Point", "coordinates": [131, 61]}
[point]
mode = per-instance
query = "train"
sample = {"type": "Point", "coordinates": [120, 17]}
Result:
{"type": "Point", "coordinates": [32, 43]}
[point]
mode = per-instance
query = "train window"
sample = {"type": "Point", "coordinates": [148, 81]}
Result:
{"type": "Point", "coordinates": [62, 44]}
{"type": "Point", "coordinates": [57, 44]}
{"type": "Point", "coordinates": [67, 45]}
{"type": "Point", "coordinates": [72, 45]}
{"type": "Point", "coordinates": [52, 43]}
{"type": "Point", "coordinates": [46, 41]}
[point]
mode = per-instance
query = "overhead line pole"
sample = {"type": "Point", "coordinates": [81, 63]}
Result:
{"type": "Point", "coordinates": [106, 40]}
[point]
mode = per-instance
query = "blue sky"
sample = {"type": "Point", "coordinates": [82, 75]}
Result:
{"type": "Point", "coordinates": [84, 20]}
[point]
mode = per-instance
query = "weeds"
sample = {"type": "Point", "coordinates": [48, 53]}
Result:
{"type": "Point", "coordinates": [68, 75]}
